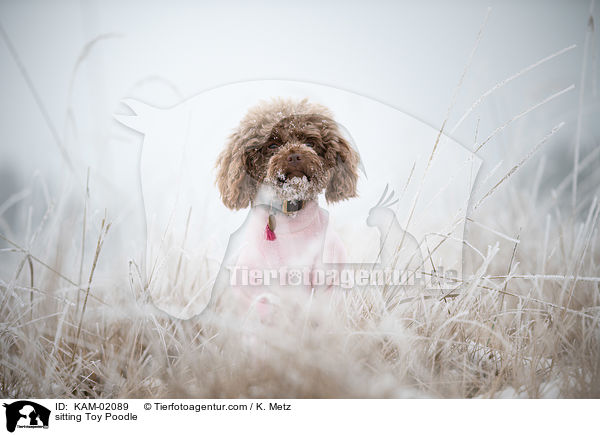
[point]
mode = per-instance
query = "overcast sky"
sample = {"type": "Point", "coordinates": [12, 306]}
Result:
{"type": "Point", "coordinates": [409, 55]}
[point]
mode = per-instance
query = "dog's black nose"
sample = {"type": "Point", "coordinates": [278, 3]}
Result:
{"type": "Point", "coordinates": [294, 158]}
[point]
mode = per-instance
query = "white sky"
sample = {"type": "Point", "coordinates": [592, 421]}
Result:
{"type": "Point", "coordinates": [409, 55]}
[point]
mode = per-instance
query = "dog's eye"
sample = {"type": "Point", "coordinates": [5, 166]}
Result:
{"type": "Point", "coordinates": [309, 144]}
{"type": "Point", "coordinates": [273, 145]}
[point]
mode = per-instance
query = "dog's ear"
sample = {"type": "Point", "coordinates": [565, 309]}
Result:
{"type": "Point", "coordinates": [344, 176]}
{"type": "Point", "coordinates": [237, 188]}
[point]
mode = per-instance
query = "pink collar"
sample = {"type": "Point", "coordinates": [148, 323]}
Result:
{"type": "Point", "coordinates": [290, 222]}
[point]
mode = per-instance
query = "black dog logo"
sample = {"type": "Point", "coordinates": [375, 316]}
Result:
{"type": "Point", "coordinates": [31, 412]}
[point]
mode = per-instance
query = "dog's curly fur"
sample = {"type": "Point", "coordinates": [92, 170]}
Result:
{"type": "Point", "coordinates": [258, 152]}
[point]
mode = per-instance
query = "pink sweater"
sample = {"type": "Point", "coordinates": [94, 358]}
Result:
{"type": "Point", "coordinates": [303, 253]}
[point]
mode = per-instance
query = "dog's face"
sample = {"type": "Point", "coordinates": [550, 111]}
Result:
{"type": "Point", "coordinates": [294, 147]}
{"type": "Point", "coordinates": [293, 159]}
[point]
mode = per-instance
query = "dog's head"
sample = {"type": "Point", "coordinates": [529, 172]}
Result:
{"type": "Point", "coordinates": [294, 147]}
